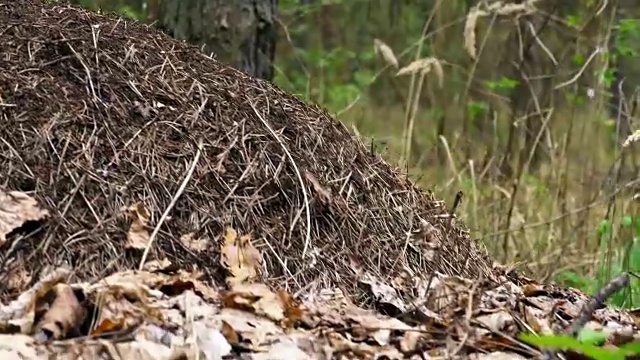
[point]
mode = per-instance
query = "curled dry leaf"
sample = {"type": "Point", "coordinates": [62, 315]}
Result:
{"type": "Point", "coordinates": [239, 258]}
{"type": "Point", "coordinates": [256, 298]}
{"type": "Point", "coordinates": [138, 235]}
{"type": "Point", "coordinates": [383, 293]}
{"type": "Point", "coordinates": [250, 329]}
{"type": "Point", "coordinates": [293, 309]}
{"type": "Point", "coordinates": [16, 208]}
{"type": "Point", "coordinates": [195, 244]}
{"type": "Point", "coordinates": [260, 300]}
{"type": "Point", "coordinates": [20, 313]}
{"type": "Point", "coordinates": [385, 52]}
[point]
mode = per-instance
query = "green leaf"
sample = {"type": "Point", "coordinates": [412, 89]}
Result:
{"type": "Point", "coordinates": [565, 342]}
{"type": "Point", "coordinates": [591, 337]}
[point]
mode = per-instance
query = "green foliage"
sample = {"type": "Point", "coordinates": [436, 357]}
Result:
{"type": "Point", "coordinates": [627, 37]}
{"type": "Point", "coordinates": [585, 344]}
{"type": "Point", "coordinates": [503, 84]}
{"type": "Point", "coordinates": [623, 259]}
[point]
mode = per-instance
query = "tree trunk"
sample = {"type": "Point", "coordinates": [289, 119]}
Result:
{"type": "Point", "coordinates": [239, 33]}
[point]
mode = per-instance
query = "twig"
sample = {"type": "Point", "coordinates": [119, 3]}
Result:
{"type": "Point", "coordinates": [172, 203]}
{"type": "Point", "coordinates": [307, 239]}
{"type": "Point", "coordinates": [585, 314]}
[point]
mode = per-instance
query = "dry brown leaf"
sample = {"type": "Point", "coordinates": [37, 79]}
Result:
{"type": "Point", "coordinates": [64, 316]}
{"type": "Point", "coordinates": [16, 208]}
{"type": "Point", "coordinates": [138, 235]}
{"type": "Point", "coordinates": [239, 257]}
{"type": "Point", "coordinates": [293, 309]}
{"type": "Point", "coordinates": [229, 333]}
{"type": "Point", "coordinates": [498, 355]}
{"type": "Point", "coordinates": [341, 344]}
{"type": "Point", "coordinates": [20, 313]}
{"type": "Point", "coordinates": [325, 195]}
{"type": "Point", "coordinates": [383, 293]}
{"type": "Point", "coordinates": [285, 349]}
{"type": "Point", "coordinates": [157, 265]}
{"type": "Point", "coordinates": [410, 340]}
{"type": "Point", "coordinates": [108, 326]}
{"type": "Point", "coordinates": [496, 322]}
{"type": "Point", "coordinates": [17, 279]}
{"type": "Point", "coordinates": [256, 298]}
{"type": "Point", "coordinates": [195, 244]}
{"type": "Point", "coordinates": [250, 327]}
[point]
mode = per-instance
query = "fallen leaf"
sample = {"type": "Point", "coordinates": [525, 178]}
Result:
{"type": "Point", "coordinates": [20, 313]}
{"type": "Point", "coordinates": [17, 279]}
{"type": "Point", "coordinates": [17, 208]}
{"type": "Point", "coordinates": [293, 309]}
{"type": "Point", "coordinates": [283, 350]}
{"type": "Point", "coordinates": [498, 355]}
{"type": "Point", "coordinates": [138, 235]}
{"type": "Point", "coordinates": [157, 265]}
{"type": "Point", "coordinates": [18, 346]}
{"type": "Point", "coordinates": [383, 293]}
{"type": "Point", "coordinates": [108, 326]}
{"type": "Point", "coordinates": [211, 342]}
{"type": "Point", "coordinates": [249, 327]}
{"type": "Point", "coordinates": [229, 333]}
{"type": "Point", "coordinates": [239, 257]}
{"type": "Point", "coordinates": [195, 244]}
{"type": "Point", "coordinates": [496, 322]}
{"type": "Point", "coordinates": [256, 298]}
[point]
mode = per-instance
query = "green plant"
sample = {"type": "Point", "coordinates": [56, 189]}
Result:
{"type": "Point", "coordinates": [624, 258]}
{"type": "Point", "coordinates": [586, 344]}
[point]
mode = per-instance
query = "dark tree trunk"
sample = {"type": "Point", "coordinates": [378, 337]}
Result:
{"type": "Point", "coordinates": [240, 33]}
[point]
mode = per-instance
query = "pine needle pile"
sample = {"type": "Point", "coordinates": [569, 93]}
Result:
{"type": "Point", "coordinates": [137, 145]}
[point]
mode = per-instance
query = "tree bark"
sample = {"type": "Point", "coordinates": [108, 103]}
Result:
{"type": "Point", "coordinates": [239, 33]}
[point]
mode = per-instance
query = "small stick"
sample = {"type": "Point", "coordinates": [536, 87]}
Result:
{"type": "Point", "coordinates": [615, 285]}
{"type": "Point", "coordinates": [172, 203]}
{"type": "Point", "coordinates": [456, 202]}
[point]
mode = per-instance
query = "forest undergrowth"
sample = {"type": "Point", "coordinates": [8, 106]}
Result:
{"type": "Point", "coordinates": [563, 207]}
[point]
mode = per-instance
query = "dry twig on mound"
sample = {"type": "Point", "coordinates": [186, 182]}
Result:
{"type": "Point", "coordinates": [101, 118]}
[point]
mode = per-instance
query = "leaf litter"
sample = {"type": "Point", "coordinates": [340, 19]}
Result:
{"type": "Point", "coordinates": [168, 312]}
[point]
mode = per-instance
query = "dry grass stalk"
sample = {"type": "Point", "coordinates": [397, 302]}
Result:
{"type": "Point", "coordinates": [424, 66]}
{"type": "Point", "coordinates": [495, 8]}
{"type": "Point", "coordinates": [384, 51]}
{"type": "Point", "coordinates": [634, 137]}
